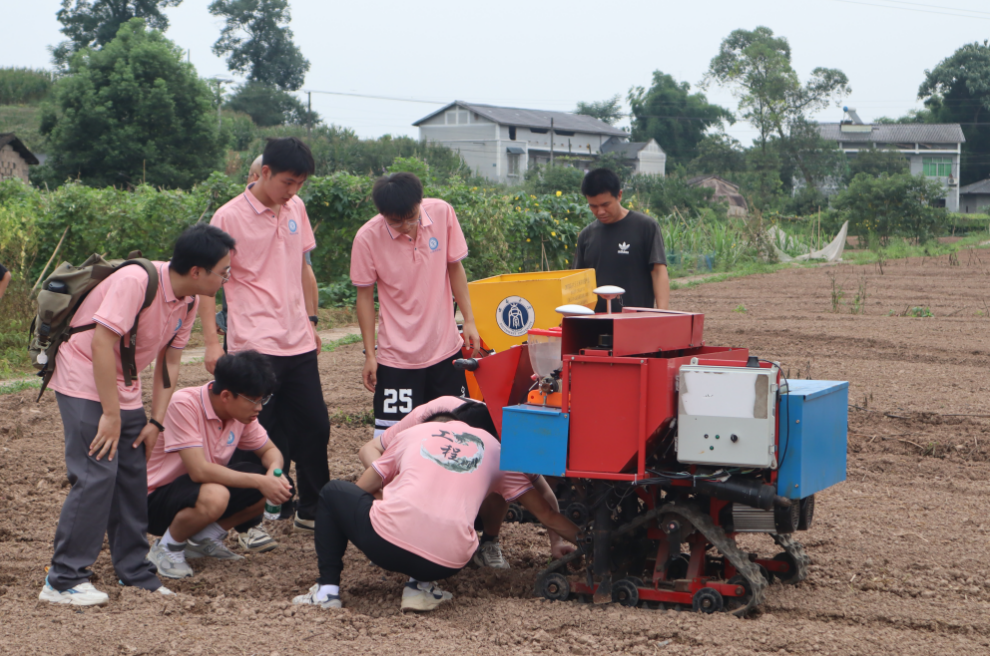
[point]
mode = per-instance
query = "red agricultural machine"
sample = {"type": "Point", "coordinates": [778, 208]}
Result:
{"type": "Point", "coordinates": [663, 450]}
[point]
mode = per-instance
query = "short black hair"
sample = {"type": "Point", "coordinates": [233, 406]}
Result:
{"type": "Point", "coordinates": [600, 181]}
{"type": "Point", "coordinates": [288, 154]}
{"type": "Point", "coordinates": [200, 245]}
{"type": "Point", "coordinates": [439, 415]}
{"type": "Point", "coordinates": [397, 195]}
{"type": "Point", "coordinates": [248, 373]}
{"type": "Point", "coordinates": [476, 415]}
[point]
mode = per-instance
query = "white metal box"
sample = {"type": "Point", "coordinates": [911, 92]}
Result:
{"type": "Point", "coordinates": [726, 416]}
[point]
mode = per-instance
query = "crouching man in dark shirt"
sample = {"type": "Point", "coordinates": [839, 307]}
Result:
{"type": "Point", "coordinates": [625, 248]}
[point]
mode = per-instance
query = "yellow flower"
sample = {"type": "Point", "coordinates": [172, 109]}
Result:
{"type": "Point", "coordinates": [537, 204]}
{"type": "Point", "coordinates": [474, 189]}
{"type": "Point", "coordinates": [553, 234]}
{"type": "Point", "coordinates": [518, 209]}
{"type": "Point", "coordinates": [327, 203]}
{"type": "Point", "coordinates": [567, 261]}
{"type": "Point", "coordinates": [527, 239]}
{"type": "Point", "coordinates": [565, 247]}
{"type": "Point", "coordinates": [558, 194]}
{"type": "Point", "coordinates": [532, 196]}
{"type": "Point", "coordinates": [520, 268]}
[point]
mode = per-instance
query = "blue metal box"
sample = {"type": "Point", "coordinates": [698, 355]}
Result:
{"type": "Point", "coordinates": [813, 437]}
{"type": "Point", "coordinates": [534, 440]}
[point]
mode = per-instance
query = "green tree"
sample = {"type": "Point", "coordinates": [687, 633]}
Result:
{"type": "Point", "coordinates": [876, 162]}
{"type": "Point", "coordinates": [901, 205]}
{"type": "Point", "coordinates": [718, 153]}
{"type": "Point", "coordinates": [609, 110]}
{"type": "Point", "coordinates": [771, 97]}
{"type": "Point", "coordinates": [258, 43]}
{"type": "Point", "coordinates": [269, 106]}
{"type": "Point", "coordinates": [94, 23]}
{"type": "Point", "coordinates": [958, 91]}
{"type": "Point", "coordinates": [131, 112]}
{"type": "Point", "coordinates": [550, 179]}
{"type": "Point", "coordinates": [675, 117]}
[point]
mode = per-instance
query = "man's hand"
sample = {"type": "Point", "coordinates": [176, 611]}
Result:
{"type": "Point", "coordinates": [107, 436]}
{"type": "Point", "coordinates": [316, 337]}
{"type": "Point", "coordinates": [148, 436]}
{"type": "Point", "coordinates": [471, 337]}
{"type": "Point", "coordinates": [370, 373]}
{"type": "Point", "coordinates": [561, 548]}
{"type": "Point", "coordinates": [213, 353]}
{"type": "Point", "coordinates": [276, 490]}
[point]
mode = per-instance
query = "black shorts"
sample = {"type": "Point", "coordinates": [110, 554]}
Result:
{"type": "Point", "coordinates": [166, 502]}
{"type": "Point", "coordinates": [400, 390]}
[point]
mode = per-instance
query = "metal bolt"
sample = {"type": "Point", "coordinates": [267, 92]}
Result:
{"type": "Point", "coordinates": [706, 436]}
{"type": "Point", "coordinates": [797, 421]}
{"type": "Point", "coordinates": [711, 448]}
{"type": "Point", "coordinates": [734, 437]}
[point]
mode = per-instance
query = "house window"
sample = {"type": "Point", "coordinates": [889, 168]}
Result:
{"type": "Point", "coordinates": [451, 118]}
{"type": "Point", "coordinates": [937, 167]}
{"type": "Point", "coordinates": [462, 118]}
{"type": "Point", "coordinates": [513, 164]}
{"type": "Point", "coordinates": [512, 132]}
{"type": "Point", "coordinates": [539, 130]}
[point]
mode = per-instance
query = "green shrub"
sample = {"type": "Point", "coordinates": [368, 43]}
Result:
{"type": "Point", "coordinates": [23, 86]}
{"type": "Point", "coordinates": [903, 205]}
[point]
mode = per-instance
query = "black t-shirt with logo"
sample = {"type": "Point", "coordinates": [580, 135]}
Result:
{"type": "Point", "coordinates": [623, 254]}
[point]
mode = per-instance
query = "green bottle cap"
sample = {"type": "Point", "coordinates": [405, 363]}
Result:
{"type": "Point", "coordinates": [277, 472]}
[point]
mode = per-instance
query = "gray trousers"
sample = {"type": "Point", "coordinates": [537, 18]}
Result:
{"type": "Point", "coordinates": [108, 497]}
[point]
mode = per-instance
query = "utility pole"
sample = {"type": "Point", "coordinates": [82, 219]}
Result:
{"type": "Point", "coordinates": [309, 115]}
{"type": "Point", "coordinates": [220, 82]}
{"type": "Point", "coordinates": [551, 144]}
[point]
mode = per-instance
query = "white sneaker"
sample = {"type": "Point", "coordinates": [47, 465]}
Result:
{"type": "Point", "coordinates": [309, 599]}
{"type": "Point", "coordinates": [256, 540]}
{"type": "Point", "coordinates": [489, 554]}
{"type": "Point", "coordinates": [162, 590]}
{"type": "Point", "coordinates": [84, 594]}
{"type": "Point", "coordinates": [211, 549]}
{"type": "Point", "coordinates": [171, 563]}
{"type": "Point", "coordinates": [423, 597]}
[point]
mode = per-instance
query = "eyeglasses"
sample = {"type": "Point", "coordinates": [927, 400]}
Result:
{"type": "Point", "coordinates": [402, 222]}
{"type": "Point", "coordinates": [224, 275]}
{"type": "Point", "coordinates": [261, 400]}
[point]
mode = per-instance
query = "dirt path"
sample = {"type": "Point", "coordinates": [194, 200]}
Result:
{"type": "Point", "coordinates": [898, 550]}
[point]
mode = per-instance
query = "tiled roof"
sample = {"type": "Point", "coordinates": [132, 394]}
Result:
{"type": "Point", "coordinates": [534, 118]}
{"type": "Point", "coordinates": [949, 133]}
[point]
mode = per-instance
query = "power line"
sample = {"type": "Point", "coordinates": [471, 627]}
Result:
{"type": "Point", "coordinates": [923, 11]}
{"type": "Point", "coordinates": [361, 95]}
{"type": "Point", "coordinates": [916, 4]}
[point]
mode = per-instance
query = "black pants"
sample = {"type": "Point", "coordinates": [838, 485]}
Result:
{"type": "Point", "coordinates": [344, 515]}
{"type": "Point", "coordinates": [400, 390]}
{"type": "Point", "coordinates": [298, 424]}
{"type": "Point", "coordinates": [169, 500]}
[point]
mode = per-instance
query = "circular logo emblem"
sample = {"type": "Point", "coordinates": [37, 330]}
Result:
{"type": "Point", "coordinates": [293, 226]}
{"type": "Point", "coordinates": [230, 438]}
{"type": "Point", "coordinates": [178, 325]}
{"type": "Point", "coordinates": [515, 316]}
{"type": "Point", "coordinates": [434, 244]}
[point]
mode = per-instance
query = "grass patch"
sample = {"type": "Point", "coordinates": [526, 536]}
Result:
{"type": "Point", "coordinates": [18, 386]}
{"type": "Point", "coordinates": [16, 312]}
{"type": "Point", "coordinates": [901, 249]}
{"type": "Point", "coordinates": [365, 418]}
{"type": "Point", "coordinates": [343, 341]}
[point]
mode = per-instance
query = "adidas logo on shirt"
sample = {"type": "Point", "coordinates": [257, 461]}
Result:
{"type": "Point", "coordinates": [623, 248]}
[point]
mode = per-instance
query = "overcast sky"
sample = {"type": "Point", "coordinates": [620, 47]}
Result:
{"type": "Point", "coordinates": [550, 55]}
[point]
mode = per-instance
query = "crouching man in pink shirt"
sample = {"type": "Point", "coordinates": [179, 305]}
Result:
{"type": "Point", "coordinates": [107, 436]}
{"type": "Point", "coordinates": [433, 478]}
{"type": "Point", "coordinates": [194, 498]}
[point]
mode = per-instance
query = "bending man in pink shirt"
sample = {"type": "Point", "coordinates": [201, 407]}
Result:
{"type": "Point", "coordinates": [271, 309]}
{"type": "Point", "coordinates": [107, 437]}
{"type": "Point", "coordinates": [412, 250]}
{"type": "Point", "coordinates": [433, 478]}
{"type": "Point", "coordinates": [194, 498]}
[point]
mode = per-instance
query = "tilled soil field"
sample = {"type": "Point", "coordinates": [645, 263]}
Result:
{"type": "Point", "coordinates": [899, 551]}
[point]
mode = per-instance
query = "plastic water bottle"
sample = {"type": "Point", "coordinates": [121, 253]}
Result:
{"type": "Point", "coordinates": [272, 511]}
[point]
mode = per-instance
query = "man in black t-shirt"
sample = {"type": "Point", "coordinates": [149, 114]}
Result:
{"type": "Point", "coordinates": [624, 248]}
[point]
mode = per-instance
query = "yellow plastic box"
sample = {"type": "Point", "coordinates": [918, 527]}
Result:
{"type": "Point", "coordinates": [507, 306]}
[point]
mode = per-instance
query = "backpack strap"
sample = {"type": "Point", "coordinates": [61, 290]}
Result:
{"type": "Point", "coordinates": [128, 342]}
{"type": "Point", "coordinates": [166, 380]}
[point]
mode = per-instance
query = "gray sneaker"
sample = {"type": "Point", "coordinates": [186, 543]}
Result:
{"type": "Point", "coordinates": [170, 560]}
{"type": "Point", "coordinates": [489, 554]}
{"type": "Point", "coordinates": [309, 599]}
{"type": "Point", "coordinates": [211, 549]}
{"type": "Point", "coordinates": [256, 540]}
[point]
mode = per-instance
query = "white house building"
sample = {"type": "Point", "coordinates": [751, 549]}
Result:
{"type": "Point", "coordinates": [932, 149]}
{"type": "Point", "coordinates": [501, 143]}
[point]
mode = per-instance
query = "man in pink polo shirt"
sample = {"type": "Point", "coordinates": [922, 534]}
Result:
{"type": "Point", "coordinates": [433, 479]}
{"type": "Point", "coordinates": [271, 310]}
{"type": "Point", "coordinates": [107, 437]}
{"type": "Point", "coordinates": [194, 497]}
{"type": "Point", "coordinates": [412, 250]}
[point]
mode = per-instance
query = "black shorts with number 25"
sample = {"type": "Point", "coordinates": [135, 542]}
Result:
{"type": "Point", "coordinates": [400, 390]}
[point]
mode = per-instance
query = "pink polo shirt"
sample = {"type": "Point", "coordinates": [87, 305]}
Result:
{"type": "Point", "coordinates": [191, 422]}
{"type": "Point", "coordinates": [266, 310]}
{"type": "Point", "coordinates": [114, 303]}
{"type": "Point", "coordinates": [417, 327]}
{"type": "Point", "coordinates": [435, 477]}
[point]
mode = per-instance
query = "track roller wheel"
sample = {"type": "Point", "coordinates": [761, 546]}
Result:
{"type": "Point", "coordinates": [707, 601]}
{"type": "Point", "coordinates": [554, 587]}
{"type": "Point", "coordinates": [807, 513]}
{"type": "Point", "coordinates": [578, 513]}
{"type": "Point", "coordinates": [514, 513]}
{"type": "Point", "coordinates": [624, 593]}
{"type": "Point", "coordinates": [677, 566]}
{"type": "Point", "coordinates": [736, 602]}
{"type": "Point", "coordinates": [791, 575]}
